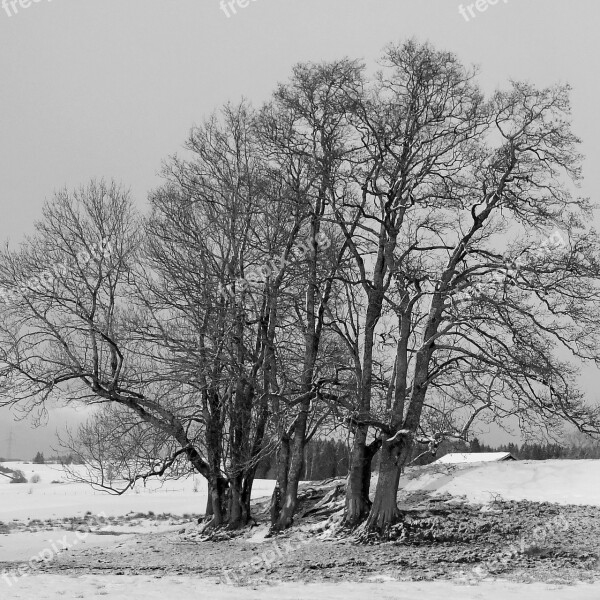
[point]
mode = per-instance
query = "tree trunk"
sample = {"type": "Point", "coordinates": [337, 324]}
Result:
{"type": "Point", "coordinates": [384, 511]}
{"type": "Point", "coordinates": [312, 336]}
{"type": "Point", "coordinates": [296, 462]}
{"type": "Point", "coordinates": [247, 494]}
{"type": "Point", "coordinates": [215, 504]}
{"type": "Point", "coordinates": [357, 497]}
{"type": "Point", "coordinates": [359, 479]}
{"type": "Point", "coordinates": [283, 461]}
{"type": "Point", "coordinates": [209, 507]}
{"type": "Point", "coordinates": [239, 504]}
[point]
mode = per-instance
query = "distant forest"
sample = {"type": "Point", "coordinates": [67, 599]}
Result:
{"type": "Point", "coordinates": [529, 451]}
{"type": "Point", "coordinates": [330, 458]}
{"type": "Point", "coordinates": [325, 458]}
{"type": "Point", "coordinates": [322, 459]}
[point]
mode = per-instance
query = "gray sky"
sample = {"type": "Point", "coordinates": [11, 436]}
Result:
{"type": "Point", "coordinates": [109, 88]}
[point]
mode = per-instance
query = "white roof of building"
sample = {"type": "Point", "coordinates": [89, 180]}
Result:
{"type": "Point", "coordinates": [474, 457]}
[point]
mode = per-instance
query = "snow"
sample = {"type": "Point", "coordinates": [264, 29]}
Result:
{"type": "Point", "coordinates": [21, 547]}
{"type": "Point", "coordinates": [47, 500]}
{"type": "Point", "coordinates": [54, 587]}
{"type": "Point", "coordinates": [559, 481]}
{"type": "Point", "coordinates": [462, 457]}
{"type": "Point", "coordinates": [564, 482]}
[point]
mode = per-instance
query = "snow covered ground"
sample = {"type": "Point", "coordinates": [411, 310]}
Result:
{"type": "Point", "coordinates": [22, 546]}
{"type": "Point", "coordinates": [559, 481]}
{"type": "Point", "coordinates": [47, 500]}
{"type": "Point", "coordinates": [564, 482]}
{"type": "Point", "coordinates": [54, 587]}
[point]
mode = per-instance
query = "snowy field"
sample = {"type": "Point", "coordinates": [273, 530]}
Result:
{"type": "Point", "coordinates": [54, 587]}
{"type": "Point", "coordinates": [564, 482]}
{"type": "Point", "coordinates": [46, 500]}
{"type": "Point", "coordinates": [557, 481]}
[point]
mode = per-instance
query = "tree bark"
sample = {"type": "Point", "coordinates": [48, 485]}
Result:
{"type": "Point", "coordinates": [283, 461]}
{"type": "Point", "coordinates": [209, 506]}
{"type": "Point", "coordinates": [384, 511]}
{"type": "Point", "coordinates": [312, 339]}
{"type": "Point", "coordinates": [215, 505]}
{"type": "Point", "coordinates": [239, 503]}
{"type": "Point", "coordinates": [290, 497]}
{"type": "Point", "coordinates": [359, 478]}
{"type": "Point", "coordinates": [357, 501]}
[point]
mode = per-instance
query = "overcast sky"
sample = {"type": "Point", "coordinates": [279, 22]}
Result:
{"type": "Point", "coordinates": [109, 88]}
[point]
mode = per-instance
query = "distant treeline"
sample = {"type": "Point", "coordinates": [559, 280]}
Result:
{"type": "Point", "coordinates": [325, 458]}
{"type": "Point", "coordinates": [329, 458]}
{"type": "Point", "coordinates": [322, 459]}
{"type": "Point", "coordinates": [529, 451]}
{"type": "Point", "coordinates": [39, 459]}
{"type": "Point", "coordinates": [525, 451]}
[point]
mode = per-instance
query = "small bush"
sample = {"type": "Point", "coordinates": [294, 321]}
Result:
{"type": "Point", "coordinates": [35, 479]}
{"type": "Point", "coordinates": [536, 550]}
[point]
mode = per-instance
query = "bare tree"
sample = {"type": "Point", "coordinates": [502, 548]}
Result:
{"type": "Point", "coordinates": [303, 135]}
{"type": "Point", "coordinates": [117, 450]}
{"type": "Point", "coordinates": [222, 250]}
{"type": "Point", "coordinates": [450, 179]}
{"type": "Point", "coordinates": [66, 320]}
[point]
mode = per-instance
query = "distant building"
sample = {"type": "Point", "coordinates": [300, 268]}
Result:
{"type": "Point", "coordinates": [456, 458]}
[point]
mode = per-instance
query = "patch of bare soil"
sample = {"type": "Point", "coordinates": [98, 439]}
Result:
{"type": "Point", "coordinates": [437, 538]}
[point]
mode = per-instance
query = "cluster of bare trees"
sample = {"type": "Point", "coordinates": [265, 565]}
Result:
{"type": "Point", "coordinates": [422, 187]}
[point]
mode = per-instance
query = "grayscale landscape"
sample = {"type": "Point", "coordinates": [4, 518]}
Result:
{"type": "Point", "coordinates": [299, 300]}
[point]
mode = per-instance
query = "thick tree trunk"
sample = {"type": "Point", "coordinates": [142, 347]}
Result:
{"type": "Point", "coordinates": [239, 505]}
{"type": "Point", "coordinates": [238, 512]}
{"type": "Point", "coordinates": [312, 336]}
{"type": "Point", "coordinates": [384, 511]}
{"type": "Point", "coordinates": [209, 507]}
{"type": "Point", "coordinates": [359, 479]}
{"type": "Point", "coordinates": [283, 461]}
{"type": "Point", "coordinates": [357, 488]}
{"type": "Point", "coordinates": [296, 463]}
{"type": "Point", "coordinates": [247, 493]}
{"type": "Point", "coordinates": [217, 486]}
{"type": "Point", "coordinates": [216, 502]}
